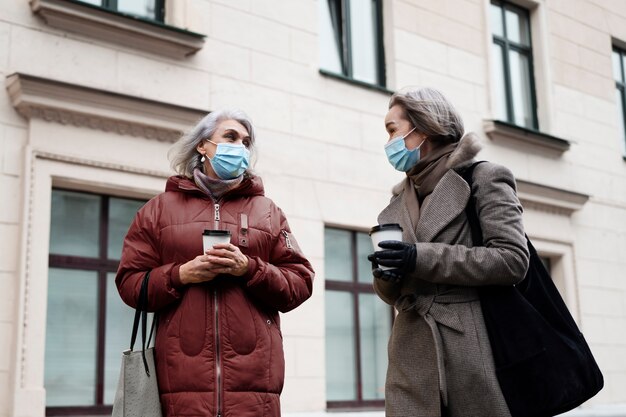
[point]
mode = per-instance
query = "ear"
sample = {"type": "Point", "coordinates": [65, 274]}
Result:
{"type": "Point", "coordinates": [200, 148]}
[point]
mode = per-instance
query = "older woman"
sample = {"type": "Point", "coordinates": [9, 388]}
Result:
{"type": "Point", "coordinates": [440, 361]}
{"type": "Point", "coordinates": [218, 347]}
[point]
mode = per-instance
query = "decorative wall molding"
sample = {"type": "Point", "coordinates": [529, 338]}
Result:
{"type": "Point", "coordinates": [549, 199]}
{"type": "Point", "coordinates": [64, 103]}
{"type": "Point", "coordinates": [120, 28]}
{"type": "Point", "coordinates": [498, 130]}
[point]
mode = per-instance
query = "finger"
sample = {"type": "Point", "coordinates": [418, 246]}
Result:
{"type": "Point", "coordinates": [371, 257]}
{"type": "Point", "coordinates": [227, 246]}
{"type": "Point", "coordinates": [392, 263]}
{"type": "Point", "coordinates": [392, 244]}
{"type": "Point", "coordinates": [222, 253]}
{"type": "Point", "coordinates": [391, 275]}
{"type": "Point", "coordinates": [389, 254]}
{"type": "Point", "coordinates": [219, 262]}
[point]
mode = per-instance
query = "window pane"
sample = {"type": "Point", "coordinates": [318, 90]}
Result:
{"type": "Point", "coordinates": [363, 248]}
{"type": "Point", "coordinates": [340, 347]}
{"type": "Point", "coordinates": [330, 37]}
{"type": "Point", "coordinates": [617, 69]}
{"type": "Point", "coordinates": [338, 255]}
{"type": "Point", "coordinates": [94, 2]}
{"type": "Point", "coordinates": [520, 89]}
{"type": "Point", "coordinates": [498, 84]}
{"type": "Point", "coordinates": [495, 13]}
{"type": "Point", "coordinates": [143, 8]}
{"type": "Point", "coordinates": [121, 214]}
{"type": "Point", "coordinates": [74, 225]}
{"type": "Point", "coordinates": [621, 116]}
{"type": "Point", "coordinates": [71, 338]}
{"type": "Point", "coordinates": [517, 28]}
{"type": "Point", "coordinates": [363, 39]}
{"type": "Point", "coordinates": [375, 326]}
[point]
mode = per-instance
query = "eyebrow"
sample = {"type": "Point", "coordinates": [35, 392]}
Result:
{"type": "Point", "coordinates": [238, 133]}
{"type": "Point", "coordinates": [390, 122]}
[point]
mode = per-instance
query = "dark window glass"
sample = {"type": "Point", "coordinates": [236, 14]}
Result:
{"type": "Point", "coordinates": [148, 9]}
{"type": "Point", "coordinates": [513, 65]}
{"type": "Point", "coordinates": [358, 323]}
{"type": "Point", "coordinates": [87, 325]}
{"type": "Point", "coordinates": [351, 39]}
{"type": "Point", "coordinates": [619, 73]}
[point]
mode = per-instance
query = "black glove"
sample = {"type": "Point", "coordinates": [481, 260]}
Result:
{"type": "Point", "coordinates": [397, 255]}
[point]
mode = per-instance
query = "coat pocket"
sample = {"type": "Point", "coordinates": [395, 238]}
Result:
{"type": "Point", "coordinates": [241, 326]}
{"type": "Point", "coordinates": [193, 321]}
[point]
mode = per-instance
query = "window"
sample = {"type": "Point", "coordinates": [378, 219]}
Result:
{"type": "Point", "coordinates": [87, 326]}
{"type": "Point", "coordinates": [513, 65]}
{"type": "Point", "coordinates": [149, 9]}
{"type": "Point", "coordinates": [358, 323]}
{"type": "Point", "coordinates": [351, 40]}
{"type": "Point", "coordinates": [619, 72]}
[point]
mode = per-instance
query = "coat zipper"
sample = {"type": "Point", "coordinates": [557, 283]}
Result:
{"type": "Point", "coordinates": [287, 240]}
{"type": "Point", "coordinates": [218, 356]}
{"type": "Point", "coordinates": [216, 206]}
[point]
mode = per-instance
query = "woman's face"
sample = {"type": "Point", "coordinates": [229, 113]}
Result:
{"type": "Point", "coordinates": [228, 131]}
{"type": "Point", "coordinates": [397, 124]}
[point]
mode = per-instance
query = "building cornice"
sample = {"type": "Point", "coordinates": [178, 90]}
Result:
{"type": "Point", "coordinates": [131, 31]}
{"type": "Point", "coordinates": [549, 199]}
{"type": "Point", "coordinates": [64, 103]}
{"type": "Point", "coordinates": [498, 130]}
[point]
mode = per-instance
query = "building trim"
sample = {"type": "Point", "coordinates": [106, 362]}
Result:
{"type": "Point", "coordinates": [549, 199]}
{"type": "Point", "coordinates": [120, 28]}
{"type": "Point", "coordinates": [498, 130]}
{"type": "Point", "coordinates": [65, 103]}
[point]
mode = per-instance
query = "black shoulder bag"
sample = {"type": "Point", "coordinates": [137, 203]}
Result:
{"type": "Point", "coordinates": [543, 363]}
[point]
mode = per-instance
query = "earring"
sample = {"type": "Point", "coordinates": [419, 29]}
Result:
{"type": "Point", "coordinates": [203, 159]}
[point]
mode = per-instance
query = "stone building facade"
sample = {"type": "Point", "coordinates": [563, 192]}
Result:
{"type": "Point", "coordinates": [96, 92]}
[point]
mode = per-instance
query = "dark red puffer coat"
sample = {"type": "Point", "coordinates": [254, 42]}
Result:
{"type": "Point", "coordinates": [218, 346]}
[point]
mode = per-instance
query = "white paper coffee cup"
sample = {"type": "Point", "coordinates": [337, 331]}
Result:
{"type": "Point", "coordinates": [381, 232]}
{"type": "Point", "coordinates": [213, 237]}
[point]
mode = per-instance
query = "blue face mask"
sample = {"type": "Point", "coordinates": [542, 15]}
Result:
{"type": "Point", "coordinates": [399, 156]}
{"type": "Point", "coordinates": [230, 160]}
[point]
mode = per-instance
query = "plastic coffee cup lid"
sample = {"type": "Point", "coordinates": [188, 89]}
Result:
{"type": "Point", "coordinates": [216, 233]}
{"type": "Point", "coordinates": [385, 227]}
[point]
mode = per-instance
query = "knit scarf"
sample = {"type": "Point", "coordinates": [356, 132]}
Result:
{"type": "Point", "coordinates": [214, 188]}
{"type": "Point", "coordinates": [428, 171]}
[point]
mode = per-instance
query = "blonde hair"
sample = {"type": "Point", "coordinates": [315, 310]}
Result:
{"type": "Point", "coordinates": [183, 155]}
{"type": "Point", "coordinates": [431, 113]}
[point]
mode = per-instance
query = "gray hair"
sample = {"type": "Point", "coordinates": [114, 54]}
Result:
{"type": "Point", "coordinates": [184, 156]}
{"type": "Point", "coordinates": [431, 113]}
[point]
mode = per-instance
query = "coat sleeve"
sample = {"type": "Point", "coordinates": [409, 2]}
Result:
{"type": "Point", "coordinates": [141, 254]}
{"type": "Point", "coordinates": [503, 260]}
{"type": "Point", "coordinates": [285, 280]}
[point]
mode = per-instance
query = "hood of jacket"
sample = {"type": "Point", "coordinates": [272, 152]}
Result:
{"type": "Point", "coordinates": [469, 146]}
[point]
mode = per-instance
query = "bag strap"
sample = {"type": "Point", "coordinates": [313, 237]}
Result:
{"type": "Point", "coordinates": [141, 315]}
{"type": "Point", "coordinates": [470, 210]}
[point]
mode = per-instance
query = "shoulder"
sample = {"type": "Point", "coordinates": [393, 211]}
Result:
{"type": "Point", "coordinates": [485, 171]}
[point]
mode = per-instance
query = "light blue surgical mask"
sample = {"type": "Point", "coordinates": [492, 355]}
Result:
{"type": "Point", "coordinates": [230, 160]}
{"type": "Point", "coordinates": [399, 156]}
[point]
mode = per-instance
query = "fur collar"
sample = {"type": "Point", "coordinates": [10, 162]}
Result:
{"type": "Point", "coordinates": [468, 148]}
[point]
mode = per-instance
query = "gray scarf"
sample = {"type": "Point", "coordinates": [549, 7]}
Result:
{"type": "Point", "coordinates": [214, 188]}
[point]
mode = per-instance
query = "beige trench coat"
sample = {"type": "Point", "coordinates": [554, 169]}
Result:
{"type": "Point", "coordinates": [439, 350]}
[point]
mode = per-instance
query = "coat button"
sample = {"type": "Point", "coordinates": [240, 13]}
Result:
{"type": "Point", "coordinates": [269, 322]}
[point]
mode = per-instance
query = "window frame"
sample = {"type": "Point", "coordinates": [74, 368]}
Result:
{"type": "Point", "coordinates": [527, 51]}
{"type": "Point", "coordinates": [345, 52]}
{"type": "Point", "coordinates": [103, 266]}
{"type": "Point", "coordinates": [621, 87]}
{"type": "Point", "coordinates": [354, 288]}
{"type": "Point", "coordinates": [111, 5]}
